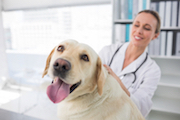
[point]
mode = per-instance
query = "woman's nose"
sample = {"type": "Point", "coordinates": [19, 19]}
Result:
{"type": "Point", "coordinates": [139, 30]}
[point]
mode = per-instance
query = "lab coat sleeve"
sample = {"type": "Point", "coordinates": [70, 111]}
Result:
{"type": "Point", "coordinates": [142, 97]}
{"type": "Point", "coordinates": [103, 54]}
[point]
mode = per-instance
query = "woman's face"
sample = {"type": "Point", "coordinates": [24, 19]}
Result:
{"type": "Point", "coordinates": [143, 29]}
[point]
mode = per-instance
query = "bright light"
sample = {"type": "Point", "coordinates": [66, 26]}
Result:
{"type": "Point", "coordinates": [7, 96]}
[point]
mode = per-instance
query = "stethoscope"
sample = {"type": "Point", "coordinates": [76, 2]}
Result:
{"type": "Point", "coordinates": [133, 73]}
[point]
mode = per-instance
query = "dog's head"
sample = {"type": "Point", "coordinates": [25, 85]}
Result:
{"type": "Point", "coordinates": [75, 69]}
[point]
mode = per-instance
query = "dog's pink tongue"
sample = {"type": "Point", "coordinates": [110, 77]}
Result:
{"type": "Point", "coordinates": [58, 91]}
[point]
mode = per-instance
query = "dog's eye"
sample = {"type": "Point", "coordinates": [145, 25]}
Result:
{"type": "Point", "coordinates": [60, 48]}
{"type": "Point", "coordinates": [85, 58]}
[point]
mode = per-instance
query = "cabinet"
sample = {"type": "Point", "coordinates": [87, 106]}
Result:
{"type": "Point", "coordinates": [166, 100]}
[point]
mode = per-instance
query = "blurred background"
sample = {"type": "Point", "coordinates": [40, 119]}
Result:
{"type": "Point", "coordinates": [29, 30]}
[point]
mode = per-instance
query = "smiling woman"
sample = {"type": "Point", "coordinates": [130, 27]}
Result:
{"type": "Point", "coordinates": [129, 63]}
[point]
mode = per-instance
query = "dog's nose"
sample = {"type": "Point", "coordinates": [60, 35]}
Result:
{"type": "Point", "coordinates": [61, 65]}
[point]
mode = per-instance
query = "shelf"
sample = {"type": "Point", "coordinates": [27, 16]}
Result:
{"type": "Point", "coordinates": [126, 21]}
{"type": "Point", "coordinates": [158, 115]}
{"type": "Point", "coordinates": [168, 105]}
{"type": "Point", "coordinates": [170, 81]}
{"type": "Point", "coordinates": [165, 57]}
{"type": "Point", "coordinates": [130, 21]}
{"type": "Point", "coordinates": [170, 29]}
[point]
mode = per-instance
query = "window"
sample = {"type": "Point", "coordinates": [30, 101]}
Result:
{"type": "Point", "coordinates": [38, 31]}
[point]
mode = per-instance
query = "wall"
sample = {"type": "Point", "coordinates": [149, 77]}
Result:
{"type": "Point", "coordinates": [3, 63]}
{"type": "Point", "coordinates": [20, 62]}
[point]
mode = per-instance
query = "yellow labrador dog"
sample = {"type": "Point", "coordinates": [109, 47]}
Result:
{"type": "Point", "coordinates": [83, 88]}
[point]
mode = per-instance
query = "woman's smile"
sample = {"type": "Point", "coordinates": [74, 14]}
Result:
{"type": "Point", "coordinates": [137, 37]}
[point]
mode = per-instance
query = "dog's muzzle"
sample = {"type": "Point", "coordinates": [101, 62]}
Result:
{"type": "Point", "coordinates": [61, 67]}
{"type": "Point", "coordinates": [59, 89]}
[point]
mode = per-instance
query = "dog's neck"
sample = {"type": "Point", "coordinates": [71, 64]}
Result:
{"type": "Point", "coordinates": [88, 103]}
{"type": "Point", "coordinates": [83, 105]}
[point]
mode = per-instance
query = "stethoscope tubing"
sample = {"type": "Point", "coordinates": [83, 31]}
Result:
{"type": "Point", "coordinates": [134, 73]}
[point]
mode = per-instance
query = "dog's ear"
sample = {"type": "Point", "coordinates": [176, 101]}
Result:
{"type": "Point", "coordinates": [47, 63]}
{"type": "Point", "coordinates": [100, 76]}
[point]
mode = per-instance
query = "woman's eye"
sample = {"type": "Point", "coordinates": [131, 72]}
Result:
{"type": "Point", "coordinates": [85, 58]}
{"type": "Point", "coordinates": [147, 29]}
{"type": "Point", "coordinates": [60, 48]}
{"type": "Point", "coordinates": [136, 25]}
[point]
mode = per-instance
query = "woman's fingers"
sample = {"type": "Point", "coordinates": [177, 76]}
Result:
{"type": "Point", "coordinates": [108, 68]}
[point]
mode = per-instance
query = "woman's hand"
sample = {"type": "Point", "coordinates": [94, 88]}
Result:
{"type": "Point", "coordinates": [110, 71]}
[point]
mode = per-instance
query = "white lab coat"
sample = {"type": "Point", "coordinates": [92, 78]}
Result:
{"type": "Point", "coordinates": [147, 77]}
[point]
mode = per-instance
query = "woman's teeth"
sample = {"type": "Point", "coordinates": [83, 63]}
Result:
{"type": "Point", "coordinates": [137, 37]}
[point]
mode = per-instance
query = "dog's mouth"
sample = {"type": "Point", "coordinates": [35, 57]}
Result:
{"type": "Point", "coordinates": [74, 86]}
{"type": "Point", "coordinates": [59, 90]}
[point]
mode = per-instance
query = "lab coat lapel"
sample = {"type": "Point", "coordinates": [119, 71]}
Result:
{"type": "Point", "coordinates": [119, 59]}
{"type": "Point", "coordinates": [129, 69]}
{"type": "Point", "coordinates": [134, 65]}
